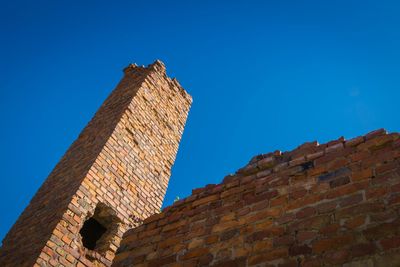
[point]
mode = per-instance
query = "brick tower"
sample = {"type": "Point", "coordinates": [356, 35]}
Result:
{"type": "Point", "coordinates": [112, 177]}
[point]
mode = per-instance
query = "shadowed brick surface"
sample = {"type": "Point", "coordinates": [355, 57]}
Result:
{"type": "Point", "coordinates": [335, 204]}
{"type": "Point", "coordinates": [120, 163]}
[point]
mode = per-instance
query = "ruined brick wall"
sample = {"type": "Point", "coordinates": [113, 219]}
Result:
{"type": "Point", "coordinates": [318, 205]}
{"type": "Point", "coordinates": [116, 173]}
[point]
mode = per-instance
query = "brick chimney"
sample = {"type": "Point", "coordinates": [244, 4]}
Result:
{"type": "Point", "coordinates": [111, 178]}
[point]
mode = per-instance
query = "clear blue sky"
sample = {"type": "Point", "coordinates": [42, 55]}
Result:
{"type": "Point", "coordinates": [264, 76]}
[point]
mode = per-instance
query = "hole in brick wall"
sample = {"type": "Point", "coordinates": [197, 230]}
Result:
{"type": "Point", "coordinates": [307, 165]}
{"type": "Point", "coordinates": [99, 229]}
{"type": "Point", "coordinates": [91, 232]}
{"type": "Point", "coordinates": [132, 135]}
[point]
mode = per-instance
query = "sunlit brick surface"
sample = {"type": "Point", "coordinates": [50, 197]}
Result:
{"type": "Point", "coordinates": [121, 162]}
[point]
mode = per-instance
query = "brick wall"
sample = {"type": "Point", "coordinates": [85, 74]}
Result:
{"type": "Point", "coordinates": [116, 173]}
{"type": "Point", "coordinates": [318, 205]}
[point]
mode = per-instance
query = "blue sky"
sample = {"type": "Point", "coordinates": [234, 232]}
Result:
{"type": "Point", "coordinates": [264, 75]}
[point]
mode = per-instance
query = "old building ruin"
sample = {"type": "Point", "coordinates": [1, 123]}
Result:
{"type": "Point", "coordinates": [333, 204]}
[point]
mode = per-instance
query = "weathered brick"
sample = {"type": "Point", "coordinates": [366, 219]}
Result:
{"type": "Point", "coordinates": [375, 133]}
{"type": "Point", "coordinates": [228, 234]}
{"type": "Point", "coordinates": [286, 218]}
{"type": "Point", "coordinates": [278, 201]}
{"type": "Point", "coordinates": [331, 243]}
{"type": "Point", "coordinates": [271, 255]}
{"type": "Point", "coordinates": [283, 240]}
{"type": "Point", "coordinates": [262, 245]}
{"type": "Point", "coordinates": [267, 233]}
{"type": "Point", "coordinates": [297, 194]}
{"type": "Point", "coordinates": [311, 223]}
{"type": "Point", "coordinates": [381, 231]}
{"type": "Point", "coordinates": [362, 208]}
{"type": "Point", "coordinates": [194, 253]}
{"type": "Point", "coordinates": [306, 212]}
{"type": "Point", "coordinates": [376, 192]}
{"type": "Point", "coordinates": [326, 207]}
{"type": "Point", "coordinates": [344, 171]}
{"type": "Point", "coordinates": [351, 200]}
{"type": "Point", "coordinates": [354, 141]}
{"type": "Point", "coordinates": [355, 222]}
{"type": "Point", "coordinates": [337, 257]}
{"type": "Point", "coordinates": [346, 190]}
{"type": "Point", "coordinates": [362, 249]}
{"type": "Point", "coordinates": [339, 181]}
{"type": "Point", "coordinates": [162, 261]}
{"type": "Point", "coordinates": [390, 243]}
{"type": "Point", "coordinates": [120, 164]}
{"type": "Point", "coordinates": [238, 262]}
{"type": "Point", "coordinates": [307, 200]}
{"type": "Point", "coordinates": [303, 236]}
{"type": "Point", "coordinates": [329, 204]}
{"type": "Point", "coordinates": [299, 250]}
{"type": "Point", "coordinates": [204, 200]}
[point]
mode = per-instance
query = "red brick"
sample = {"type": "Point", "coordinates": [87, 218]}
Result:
{"type": "Point", "coordinates": [362, 175]}
{"type": "Point", "coordinates": [339, 181]}
{"type": "Point", "coordinates": [307, 200]}
{"type": "Point", "coordinates": [323, 245]}
{"type": "Point", "coordinates": [311, 223]}
{"type": "Point", "coordinates": [355, 222]}
{"type": "Point", "coordinates": [238, 262]}
{"type": "Point", "coordinates": [326, 207]}
{"type": "Point", "coordinates": [351, 200]}
{"type": "Point", "coordinates": [304, 236]}
{"type": "Point", "coordinates": [267, 233]}
{"type": "Point", "coordinates": [337, 257]}
{"type": "Point", "coordinates": [384, 168]}
{"type": "Point", "coordinates": [297, 194]}
{"type": "Point", "coordinates": [376, 192]}
{"type": "Point", "coordinates": [283, 240]}
{"type": "Point", "coordinates": [390, 243]}
{"type": "Point", "coordinates": [162, 261]}
{"type": "Point", "coordinates": [395, 188]}
{"type": "Point", "coordinates": [278, 201]}
{"type": "Point", "coordinates": [306, 212]}
{"type": "Point", "coordinates": [204, 200]}
{"type": "Point", "coordinates": [354, 141]}
{"type": "Point", "coordinates": [279, 253]}
{"type": "Point", "coordinates": [362, 249]}
{"type": "Point", "coordinates": [394, 199]}
{"type": "Point", "coordinates": [383, 216]}
{"type": "Point", "coordinates": [375, 133]}
{"type": "Point", "coordinates": [212, 239]}
{"type": "Point", "coordinates": [286, 218]}
{"type": "Point", "coordinates": [299, 250]}
{"type": "Point", "coordinates": [206, 259]}
{"type": "Point", "coordinates": [382, 230]}
{"type": "Point", "coordinates": [360, 155]}
{"type": "Point", "coordinates": [361, 208]}
{"type": "Point", "coordinates": [337, 163]}
{"type": "Point", "coordinates": [120, 163]}
{"type": "Point", "coordinates": [346, 190]}
{"type": "Point", "coordinates": [262, 246]}
{"type": "Point", "coordinates": [194, 253]}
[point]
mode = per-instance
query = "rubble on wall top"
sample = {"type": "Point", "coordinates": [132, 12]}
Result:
{"type": "Point", "coordinates": [306, 152]}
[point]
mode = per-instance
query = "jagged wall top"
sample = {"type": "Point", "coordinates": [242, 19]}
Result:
{"type": "Point", "coordinates": [158, 67]}
{"type": "Point", "coordinates": [277, 161]}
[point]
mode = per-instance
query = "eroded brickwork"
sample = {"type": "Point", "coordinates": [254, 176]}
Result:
{"type": "Point", "coordinates": [115, 173]}
{"type": "Point", "coordinates": [319, 205]}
